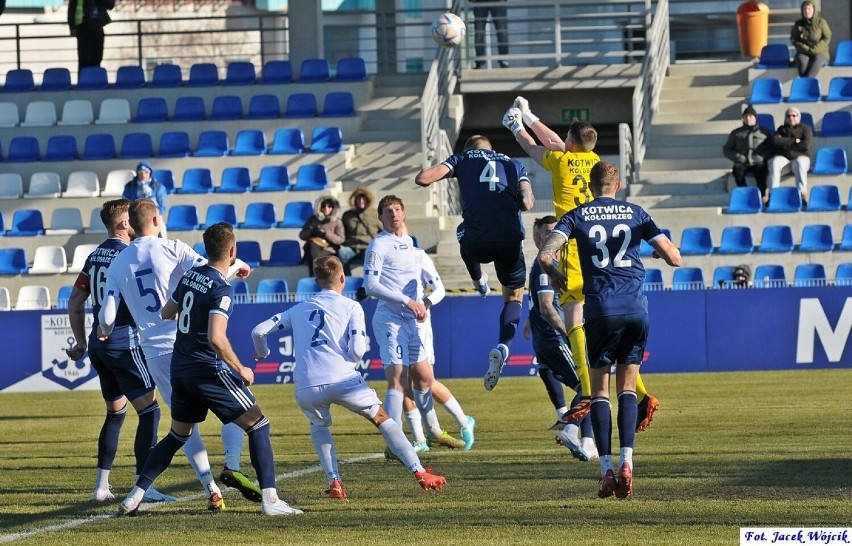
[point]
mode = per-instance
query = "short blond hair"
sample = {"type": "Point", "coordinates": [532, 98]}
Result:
{"type": "Point", "coordinates": [142, 213]}
{"type": "Point", "coordinates": [603, 178]}
{"type": "Point", "coordinates": [327, 270]}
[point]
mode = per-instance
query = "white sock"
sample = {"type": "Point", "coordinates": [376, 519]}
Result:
{"type": "Point", "coordinates": [433, 424]}
{"type": "Point", "coordinates": [424, 402]}
{"type": "Point", "coordinates": [454, 408]}
{"type": "Point", "coordinates": [606, 464]}
{"type": "Point", "coordinates": [270, 495]}
{"type": "Point", "coordinates": [102, 479]}
{"type": "Point", "coordinates": [415, 425]}
{"type": "Point", "coordinates": [560, 412]}
{"type": "Point", "coordinates": [393, 404]}
{"type": "Point", "coordinates": [572, 430]}
{"type": "Point", "coordinates": [324, 446]}
{"type": "Point", "coordinates": [196, 453]}
{"type": "Point", "coordinates": [398, 444]}
{"type": "Point", "coordinates": [232, 442]}
{"type": "Point", "coordinates": [136, 494]}
{"type": "Point", "coordinates": [627, 455]}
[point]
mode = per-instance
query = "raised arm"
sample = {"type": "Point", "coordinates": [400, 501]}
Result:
{"type": "Point", "coordinates": [259, 333]}
{"type": "Point", "coordinates": [430, 175]}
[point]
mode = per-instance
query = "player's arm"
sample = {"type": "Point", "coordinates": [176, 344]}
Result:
{"type": "Point", "coordinates": [357, 334]}
{"type": "Point", "coordinates": [430, 175]}
{"type": "Point", "coordinates": [549, 313]}
{"type": "Point", "coordinates": [548, 257]}
{"type": "Point", "coordinates": [430, 277]}
{"type": "Point", "coordinates": [548, 138]}
{"type": "Point", "coordinates": [526, 194]}
{"type": "Point", "coordinates": [169, 310]}
{"type": "Point", "coordinates": [240, 270]}
{"type": "Point", "coordinates": [277, 323]}
{"type": "Point", "coordinates": [77, 317]}
{"type": "Point", "coordinates": [109, 309]}
{"type": "Point", "coordinates": [217, 332]}
{"type": "Point", "coordinates": [512, 121]}
{"type": "Point", "coordinates": [665, 249]}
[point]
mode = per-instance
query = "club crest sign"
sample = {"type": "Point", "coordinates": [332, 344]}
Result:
{"type": "Point", "coordinates": [56, 336]}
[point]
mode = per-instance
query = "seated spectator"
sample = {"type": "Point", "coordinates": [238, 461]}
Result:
{"type": "Point", "coordinates": [810, 36]}
{"type": "Point", "coordinates": [323, 231]}
{"type": "Point", "coordinates": [360, 223]}
{"type": "Point", "coordinates": [750, 148]}
{"type": "Point", "coordinates": [144, 186]}
{"type": "Point", "coordinates": [792, 146]}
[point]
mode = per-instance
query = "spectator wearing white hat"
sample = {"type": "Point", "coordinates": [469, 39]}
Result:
{"type": "Point", "coordinates": [143, 186]}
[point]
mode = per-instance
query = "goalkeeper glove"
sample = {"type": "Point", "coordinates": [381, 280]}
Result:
{"type": "Point", "coordinates": [512, 120]}
{"type": "Point", "coordinates": [524, 106]}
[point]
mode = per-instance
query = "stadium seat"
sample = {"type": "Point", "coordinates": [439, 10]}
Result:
{"type": "Point", "coordinates": [830, 161]}
{"type": "Point", "coordinates": [174, 144]}
{"type": "Point", "coordinates": [305, 288]}
{"type": "Point", "coordinates": [113, 111]}
{"type": "Point", "coordinates": [311, 177]}
{"type": "Point", "coordinates": [744, 200]}
{"type": "Point", "coordinates": [99, 146]}
{"type": "Point", "coordinates": [82, 184]}
{"type": "Point", "coordinates": [817, 238]}
{"type": "Point", "coordinates": [165, 177]}
{"type": "Point", "coordinates": [276, 72]}
{"type": "Point", "coordinates": [688, 278]}
{"type": "Point", "coordinates": [203, 75]}
{"type": "Point", "coordinates": [220, 212]}
{"type": "Point", "coordinates": [288, 140]}
{"type": "Point", "coordinates": [250, 142]}
{"type": "Point", "coordinates": [166, 75]}
{"type": "Point", "coordinates": [264, 107]}
{"type": "Point", "coordinates": [338, 104]}
{"type": "Point", "coordinates": [284, 253]}
{"type": "Point", "coordinates": [272, 291]}
{"type": "Point", "coordinates": [5, 300]}
{"type": "Point", "coordinates": [26, 223]}
{"type": "Point", "coordinates": [226, 107]}
{"type": "Point", "coordinates": [351, 286]}
{"type": "Point", "coordinates": [44, 185]}
{"type": "Point", "coordinates": [766, 91]}
{"type": "Point", "coordinates": [234, 180]}
{"type": "Point", "coordinates": [182, 218]}
{"type": "Point", "coordinates": [736, 240]}
{"type": "Point", "coordinates": [767, 121]}
{"type": "Point", "coordinates": [696, 241]}
{"type": "Point", "coordinates": [129, 77]}
{"type": "Point", "coordinates": [843, 54]}
{"type": "Point", "coordinates": [199, 248]}
{"type": "Point", "coordinates": [95, 223]}
{"type": "Point", "coordinates": [776, 239]}
{"type": "Point", "coordinates": [807, 119]}
{"type": "Point", "coordinates": [92, 77]}
{"type": "Point", "coordinates": [23, 149]}
{"type": "Point", "coordinates": [351, 69]}
{"type": "Point", "coordinates": [63, 296]}
{"type": "Point", "coordinates": [240, 73]}
{"type": "Point", "coordinates": [77, 112]}
{"type": "Point", "coordinates": [314, 70]}
{"type": "Point", "coordinates": [774, 56]}
{"type": "Point", "coordinates": [136, 146]}
{"type": "Point", "coordinates": [837, 123]}
{"type": "Point", "coordinates": [55, 79]}
{"type": "Point", "coordinates": [301, 105]}
{"type": "Point", "coordinates": [273, 178]}
{"type": "Point", "coordinates": [115, 182]}
{"type": "Point", "coordinates": [326, 140]}
{"type": "Point", "coordinates": [189, 108]}
{"type": "Point", "coordinates": [61, 148]}
{"type": "Point", "coordinates": [846, 238]}
{"type": "Point", "coordinates": [296, 213]}
{"type": "Point", "coordinates": [784, 199]}
{"type": "Point", "coordinates": [151, 110]}
{"type": "Point", "coordinates": [249, 252]}
{"type": "Point", "coordinates": [259, 216]}
{"type": "Point", "coordinates": [40, 113]}
{"type": "Point", "coordinates": [839, 89]}
{"type": "Point", "coordinates": [824, 198]}
{"type": "Point", "coordinates": [653, 280]}
{"type": "Point", "coordinates": [33, 298]}
{"type": "Point", "coordinates": [770, 276]}
{"type": "Point", "coordinates": [804, 89]}
{"type": "Point", "coordinates": [49, 260]}
{"type": "Point", "coordinates": [9, 114]}
{"type": "Point", "coordinates": [240, 290]}
{"type": "Point", "coordinates": [19, 80]}
{"type": "Point", "coordinates": [13, 261]}
{"type": "Point", "coordinates": [65, 221]}
{"type": "Point", "coordinates": [11, 186]}
{"type": "Point", "coordinates": [212, 144]}
{"type": "Point", "coordinates": [807, 275]}
{"type": "Point", "coordinates": [843, 276]}
{"type": "Point", "coordinates": [723, 276]}
{"type": "Point", "coordinates": [196, 180]}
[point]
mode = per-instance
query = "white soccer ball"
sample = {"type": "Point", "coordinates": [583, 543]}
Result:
{"type": "Point", "coordinates": [448, 30]}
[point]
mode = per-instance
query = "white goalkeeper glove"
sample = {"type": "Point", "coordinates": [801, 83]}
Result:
{"type": "Point", "coordinates": [524, 106]}
{"type": "Point", "coordinates": [512, 120]}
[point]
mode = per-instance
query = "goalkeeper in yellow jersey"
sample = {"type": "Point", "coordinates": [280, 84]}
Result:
{"type": "Point", "coordinates": [569, 162]}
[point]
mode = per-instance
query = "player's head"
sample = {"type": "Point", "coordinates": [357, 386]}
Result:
{"type": "Point", "coordinates": [115, 216]}
{"type": "Point", "coordinates": [604, 179]}
{"type": "Point", "coordinates": [328, 272]}
{"type": "Point", "coordinates": [582, 137]}
{"type": "Point", "coordinates": [145, 217]}
{"type": "Point", "coordinates": [392, 214]}
{"type": "Point", "coordinates": [542, 227]}
{"type": "Point", "coordinates": [478, 142]}
{"type": "Point", "coordinates": [220, 242]}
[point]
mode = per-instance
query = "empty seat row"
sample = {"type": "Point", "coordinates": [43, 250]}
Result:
{"type": "Point", "coordinates": [803, 89]}
{"type": "Point", "coordinates": [765, 276]}
{"type": "Point", "coordinates": [778, 55]}
{"type": "Point", "coordinates": [823, 198]}
{"type": "Point", "coordinates": [837, 123]}
{"type": "Point", "coordinates": [30, 298]}
{"type": "Point", "coordinates": [774, 238]}
{"type": "Point", "coordinates": [259, 215]}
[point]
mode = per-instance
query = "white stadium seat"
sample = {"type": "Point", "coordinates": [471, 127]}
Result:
{"type": "Point", "coordinates": [49, 260]}
{"type": "Point", "coordinates": [32, 297]}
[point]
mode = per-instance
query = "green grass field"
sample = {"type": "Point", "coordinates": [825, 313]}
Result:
{"type": "Point", "coordinates": [725, 451]}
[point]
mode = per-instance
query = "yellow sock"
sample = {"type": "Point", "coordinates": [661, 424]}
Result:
{"type": "Point", "coordinates": [577, 340]}
{"type": "Point", "coordinates": [640, 388]}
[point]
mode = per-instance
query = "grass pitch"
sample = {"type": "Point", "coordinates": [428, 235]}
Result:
{"type": "Point", "coordinates": [725, 451]}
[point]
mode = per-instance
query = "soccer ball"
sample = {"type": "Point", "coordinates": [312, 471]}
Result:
{"type": "Point", "coordinates": [448, 30]}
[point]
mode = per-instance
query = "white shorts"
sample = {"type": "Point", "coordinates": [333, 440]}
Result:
{"type": "Point", "coordinates": [353, 394]}
{"type": "Point", "coordinates": [425, 329]}
{"type": "Point", "coordinates": [401, 341]}
{"type": "Point", "coordinates": [160, 368]}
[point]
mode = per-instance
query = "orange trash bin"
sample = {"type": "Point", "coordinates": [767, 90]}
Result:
{"type": "Point", "coordinates": [753, 28]}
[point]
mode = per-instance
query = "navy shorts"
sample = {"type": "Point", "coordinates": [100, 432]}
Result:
{"type": "Point", "coordinates": [122, 372]}
{"type": "Point", "coordinates": [223, 393]}
{"type": "Point", "coordinates": [557, 357]}
{"type": "Point", "coordinates": [616, 339]}
{"type": "Point", "coordinates": [508, 259]}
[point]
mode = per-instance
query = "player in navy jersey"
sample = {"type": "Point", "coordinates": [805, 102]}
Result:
{"type": "Point", "coordinates": [207, 375]}
{"type": "Point", "coordinates": [608, 233]}
{"type": "Point", "coordinates": [119, 361]}
{"type": "Point", "coordinates": [494, 190]}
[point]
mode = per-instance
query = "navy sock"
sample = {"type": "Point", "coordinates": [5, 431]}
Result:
{"type": "Point", "coordinates": [553, 387]}
{"type": "Point", "coordinates": [510, 316]}
{"type": "Point", "coordinates": [627, 412]}
{"type": "Point", "coordinates": [601, 418]}
{"type": "Point", "coordinates": [260, 449]}
{"type": "Point", "coordinates": [160, 458]}
{"type": "Point", "coordinates": [108, 438]}
{"type": "Point", "coordinates": [146, 434]}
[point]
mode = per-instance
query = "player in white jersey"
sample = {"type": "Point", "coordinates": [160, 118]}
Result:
{"type": "Point", "coordinates": [144, 276]}
{"type": "Point", "coordinates": [329, 337]}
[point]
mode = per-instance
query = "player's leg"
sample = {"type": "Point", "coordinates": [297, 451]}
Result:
{"type": "Point", "coordinates": [415, 422]}
{"type": "Point", "coordinates": [571, 302]}
{"type": "Point", "coordinates": [555, 391]}
{"type": "Point", "coordinates": [232, 442]}
{"type": "Point", "coordinates": [601, 340]}
{"type": "Point", "coordinates": [442, 394]}
{"type": "Point", "coordinates": [511, 272]}
{"type": "Point", "coordinates": [316, 407]}
{"type": "Point", "coordinates": [116, 411]}
{"type": "Point", "coordinates": [648, 405]}
{"type": "Point", "coordinates": [472, 262]}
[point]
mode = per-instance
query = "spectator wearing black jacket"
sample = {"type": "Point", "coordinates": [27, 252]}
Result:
{"type": "Point", "coordinates": [86, 20]}
{"type": "Point", "coordinates": [750, 147]}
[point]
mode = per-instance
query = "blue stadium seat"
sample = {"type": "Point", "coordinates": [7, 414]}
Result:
{"type": "Point", "coordinates": [824, 198]}
{"type": "Point", "coordinates": [774, 56]}
{"type": "Point", "coordinates": [830, 161]}
{"type": "Point", "coordinates": [23, 149]}
{"type": "Point", "coordinates": [296, 213]}
{"type": "Point", "coordinates": [809, 275]}
{"type": "Point", "coordinates": [837, 123]}
{"type": "Point", "coordinates": [273, 178]}
{"type": "Point", "coordinates": [129, 77]}
{"type": "Point", "coordinates": [250, 142]}
{"type": "Point", "coordinates": [326, 140]}
{"type": "Point", "coordinates": [306, 287]}
{"type": "Point", "coordinates": [166, 75]}
{"type": "Point", "coordinates": [249, 252]}
{"type": "Point", "coordinates": [766, 91]}
{"type": "Point", "coordinates": [227, 107]}
{"type": "Point", "coordinates": [804, 89]}
{"type": "Point", "coordinates": [235, 180]}
{"type": "Point", "coordinates": [846, 238]}
{"type": "Point", "coordinates": [26, 223]}
{"type": "Point", "coordinates": [276, 72]}
{"type": "Point", "coordinates": [61, 148]}
{"type": "Point", "coordinates": [203, 75]}
{"type": "Point", "coordinates": [63, 295]}
{"type": "Point", "coordinates": [817, 238]}
{"type": "Point", "coordinates": [744, 200]}
{"type": "Point", "coordinates": [220, 212]}
{"type": "Point", "coordinates": [351, 69]}
{"type": "Point", "coordinates": [770, 276]}
{"type": "Point", "coordinates": [259, 216]}
{"type": "Point", "coordinates": [264, 107]}
{"type": "Point", "coordinates": [56, 79]}
{"type": "Point", "coordinates": [13, 261]}
{"type": "Point", "coordinates": [653, 280]}
{"type": "Point", "coordinates": [351, 286]}
{"type": "Point", "coordinates": [688, 278]}
{"type": "Point", "coordinates": [92, 77]}
{"type": "Point", "coordinates": [189, 108]}
{"type": "Point", "coordinates": [99, 146]}
{"type": "Point", "coordinates": [284, 253]}
{"type": "Point", "coordinates": [839, 89]}
{"type": "Point", "coordinates": [696, 241]}
{"type": "Point", "coordinates": [843, 276]}
{"type": "Point", "coordinates": [784, 199]}
{"type": "Point", "coordinates": [736, 240]}
{"type": "Point", "coordinates": [174, 144]}
{"type": "Point", "coordinates": [212, 144]}
{"type": "Point", "coordinates": [776, 239]}
{"type": "Point", "coordinates": [723, 276]}
{"type": "Point", "coordinates": [272, 291]}
{"type": "Point", "coordinates": [19, 80]}
{"type": "Point", "coordinates": [314, 70]}
{"type": "Point", "coordinates": [843, 54]}
{"type": "Point", "coordinates": [310, 177]}
{"type": "Point", "coordinates": [338, 104]}
{"type": "Point", "coordinates": [151, 110]}
{"type": "Point", "coordinates": [136, 146]}
{"type": "Point", "coordinates": [240, 290]}
{"type": "Point", "coordinates": [301, 105]}
{"type": "Point", "coordinates": [240, 73]}
{"type": "Point", "coordinates": [165, 177]}
{"type": "Point", "coordinates": [199, 248]}
{"type": "Point", "coordinates": [288, 140]}
{"type": "Point", "coordinates": [196, 180]}
{"type": "Point", "coordinates": [808, 119]}
{"type": "Point", "coordinates": [182, 218]}
{"type": "Point", "coordinates": [767, 121]}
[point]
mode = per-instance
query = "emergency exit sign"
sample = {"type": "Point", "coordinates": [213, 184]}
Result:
{"type": "Point", "coordinates": [569, 114]}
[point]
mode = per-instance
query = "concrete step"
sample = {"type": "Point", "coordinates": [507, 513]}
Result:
{"type": "Point", "coordinates": [409, 127]}
{"type": "Point", "coordinates": [683, 187]}
{"type": "Point", "coordinates": [690, 130]}
{"type": "Point", "coordinates": [699, 81]}
{"type": "Point", "coordinates": [383, 134]}
{"type": "Point", "coordinates": [709, 68]}
{"type": "Point", "coordinates": [674, 164]}
{"type": "Point", "coordinates": [654, 202]}
{"type": "Point", "coordinates": [689, 110]}
{"type": "Point", "coordinates": [692, 176]}
{"type": "Point", "coordinates": [688, 150]}
{"type": "Point", "coordinates": [389, 105]}
{"type": "Point", "coordinates": [700, 94]}
{"type": "Point", "coordinates": [382, 147]}
{"type": "Point", "coordinates": [672, 145]}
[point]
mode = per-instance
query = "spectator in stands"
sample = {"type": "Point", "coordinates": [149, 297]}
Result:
{"type": "Point", "coordinates": [810, 36]}
{"type": "Point", "coordinates": [499, 19]}
{"type": "Point", "coordinates": [87, 19]}
{"type": "Point", "coordinates": [360, 223]}
{"type": "Point", "coordinates": [750, 148]}
{"type": "Point", "coordinates": [323, 232]}
{"type": "Point", "coordinates": [792, 146]}
{"type": "Point", "coordinates": [143, 186]}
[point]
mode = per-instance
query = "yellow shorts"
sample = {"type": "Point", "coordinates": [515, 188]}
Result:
{"type": "Point", "coordinates": [569, 264]}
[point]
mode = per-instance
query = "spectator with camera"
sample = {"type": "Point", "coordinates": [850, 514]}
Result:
{"type": "Point", "coordinates": [323, 232]}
